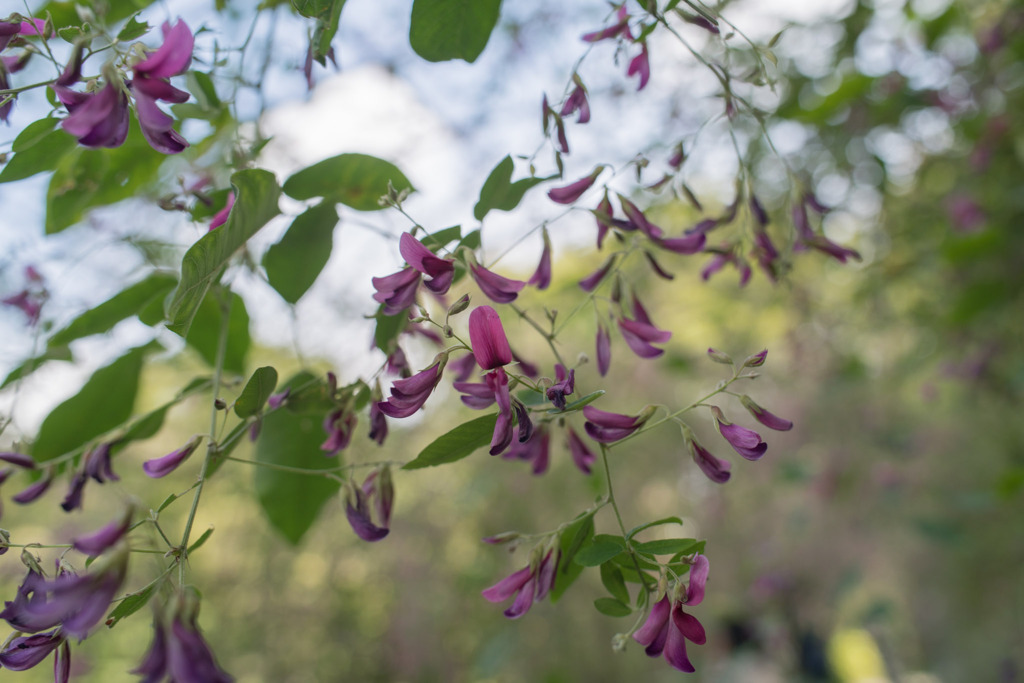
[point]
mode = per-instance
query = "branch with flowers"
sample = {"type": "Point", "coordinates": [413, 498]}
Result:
{"type": "Point", "coordinates": [107, 90]}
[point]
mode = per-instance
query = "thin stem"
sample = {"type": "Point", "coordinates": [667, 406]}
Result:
{"type": "Point", "coordinates": [618, 516]}
{"type": "Point", "coordinates": [324, 472]}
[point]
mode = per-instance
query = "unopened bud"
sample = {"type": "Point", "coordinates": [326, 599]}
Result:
{"type": "Point", "coordinates": [756, 360]}
{"type": "Point", "coordinates": [502, 538]}
{"type": "Point", "coordinates": [448, 333]}
{"type": "Point", "coordinates": [619, 641]}
{"type": "Point", "coordinates": [459, 306]}
{"type": "Point", "coordinates": [720, 357]}
{"type": "Point", "coordinates": [219, 404]}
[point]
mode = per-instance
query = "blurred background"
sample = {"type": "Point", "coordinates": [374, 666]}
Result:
{"type": "Point", "coordinates": [879, 540]}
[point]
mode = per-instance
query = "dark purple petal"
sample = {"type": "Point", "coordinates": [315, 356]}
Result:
{"type": "Point", "coordinates": [641, 65]}
{"type": "Point", "coordinates": [171, 58]}
{"type": "Point", "coordinates": [581, 455]}
{"type": "Point", "coordinates": [546, 574]}
{"type": "Point", "coordinates": [441, 271]}
{"type": "Point", "coordinates": [656, 621]}
{"type": "Point", "coordinates": [675, 648]}
{"type": "Point", "coordinates": [339, 425]}
{"type": "Point", "coordinates": [687, 244]}
{"type": "Point", "coordinates": [639, 336]}
{"type": "Point", "coordinates": [359, 519]}
{"type": "Point", "coordinates": [698, 579]}
{"type": "Point", "coordinates": [378, 425]}
{"type": "Point", "coordinates": [689, 626]}
{"type": "Point", "coordinates": [521, 605]}
{"type": "Point", "coordinates": [101, 119]}
{"type": "Point", "coordinates": [604, 418]}
{"type": "Point", "coordinates": [758, 212]}
{"type": "Point", "coordinates": [590, 283]}
{"type": "Point", "coordinates": [715, 469]}
{"type": "Point", "coordinates": [744, 441]}
{"type": "Point", "coordinates": [189, 658]}
{"type": "Point", "coordinates": [396, 291]}
{"type": "Point", "coordinates": [73, 499]}
{"type": "Point", "coordinates": [95, 543]}
{"type": "Point", "coordinates": [603, 216]}
{"type": "Point", "coordinates": [502, 437]}
{"type": "Point", "coordinates": [604, 350]}
{"type": "Point", "coordinates": [620, 27]}
{"type": "Point", "coordinates": [577, 101]}
{"type": "Point", "coordinates": [161, 467]}
{"type": "Point", "coordinates": [24, 652]}
{"type": "Point", "coordinates": [495, 287]}
{"type": "Point", "coordinates": [507, 587]}
{"type": "Point", "coordinates": [62, 664]}
{"type": "Point", "coordinates": [157, 126]}
{"type": "Point", "coordinates": [97, 464]}
{"type": "Point", "coordinates": [409, 395]}
{"type": "Point", "coordinates": [764, 417]}
{"type": "Point", "coordinates": [34, 490]}
{"type": "Point", "coordinates": [486, 334]}
{"type": "Point", "coordinates": [463, 367]}
{"type": "Point", "coordinates": [19, 459]}
{"type": "Point", "coordinates": [478, 395]}
{"type": "Point", "coordinates": [541, 278]}
{"type": "Point", "coordinates": [638, 220]}
{"type": "Point", "coordinates": [566, 383]}
{"type": "Point", "coordinates": [656, 267]}
{"type": "Point", "coordinates": [153, 668]}
{"type": "Point", "coordinates": [573, 191]}
{"type": "Point", "coordinates": [158, 89]}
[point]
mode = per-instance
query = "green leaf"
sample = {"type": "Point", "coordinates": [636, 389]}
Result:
{"type": "Point", "coordinates": [611, 578]}
{"type": "Point", "coordinates": [579, 403]}
{"type": "Point", "coordinates": [145, 427]}
{"type": "Point", "coordinates": [201, 86]}
{"type": "Point", "coordinates": [456, 444]}
{"type": "Point", "coordinates": [43, 155]}
{"type": "Point", "coordinates": [571, 540]}
{"type": "Point", "coordinates": [133, 602]}
{"type": "Point", "coordinates": [325, 30]}
{"type": "Point", "coordinates": [452, 29]}
{"type": "Point", "coordinates": [103, 403]}
{"type": "Point", "coordinates": [33, 364]}
{"type": "Point", "coordinates": [666, 546]}
{"type": "Point", "coordinates": [133, 29]}
{"type": "Point", "coordinates": [294, 263]}
{"type": "Point", "coordinates": [33, 133]}
{"type": "Point", "coordinates": [256, 392]}
{"type": "Point", "coordinates": [204, 335]}
{"type": "Point", "coordinates": [471, 240]}
{"type": "Point", "coordinates": [355, 180]}
{"type": "Point", "coordinates": [292, 502]}
{"type": "Point", "coordinates": [167, 501]}
{"type": "Point", "coordinates": [665, 520]}
{"type": "Point", "coordinates": [441, 238]}
{"type": "Point", "coordinates": [256, 194]}
{"type": "Point", "coordinates": [599, 552]}
{"type": "Point", "coordinates": [499, 192]}
{"type": "Point", "coordinates": [200, 541]}
{"type": "Point", "coordinates": [385, 336]}
{"type": "Point", "coordinates": [112, 311]}
{"type": "Point", "coordinates": [610, 607]}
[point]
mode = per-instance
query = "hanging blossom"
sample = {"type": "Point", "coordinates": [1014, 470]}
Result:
{"type": "Point", "coordinates": [744, 441]}
{"type": "Point", "coordinates": [529, 584]}
{"type": "Point", "coordinates": [409, 395]}
{"type": "Point", "coordinates": [497, 288]}
{"type": "Point", "coordinates": [577, 101]}
{"type": "Point", "coordinates": [9, 30]}
{"type": "Point", "coordinates": [641, 334]}
{"type": "Point", "coordinates": [162, 466]}
{"type": "Point", "coordinates": [606, 427]}
{"type": "Point", "coordinates": [713, 468]}
{"type": "Point", "coordinates": [668, 626]}
{"type": "Point", "coordinates": [150, 85]}
{"type": "Point", "coordinates": [573, 191]}
{"type": "Point", "coordinates": [769, 420]}
{"type": "Point", "coordinates": [582, 457]}
{"type": "Point", "coordinates": [398, 291]}
{"type": "Point", "coordinates": [541, 278]}
{"type": "Point", "coordinates": [180, 651]}
{"type": "Point", "coordinates": [376, 493]}
{"type": "Point", "coordinates": [535, 450]}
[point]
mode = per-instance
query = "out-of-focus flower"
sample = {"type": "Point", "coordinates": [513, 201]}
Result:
{"type": "Point", "coordinates": [581, 455]}
{"type": "Point", "coordinates": [641, 65]}
{"type": "Point", "coordinates": [565, 383]}
{"type": "Point", "coordinates": [409, 395]}
{"type": "Point", "coordinates": [640, 334]}
{"type": "Point", "coordinates": [189, 658]}
{"type": "Point", "coordinates": [716, 470]}
{"type": "Point", "coordinates": [656, 267]}
{"type": "Point", "coordinates": [726, 254]}
{"type": "Point", "coordinates": [744, 441]}
{"type": "Point", "coordinates": [396, 291]}
{"type": "Point", "coordinates": [604, 349]}
{"type": "Point", "coordinates": [377, 491]}
{"type": "Point", "coordinates": [24, 652]}
{"type": "Point", "coordinates": [440, 271]}
{"type": "Point", "coordinates": [573, 191]}
{"type": "Point", "coordinates": [104, 538]}
{"type": "Point", "coordinates": [536, 449]}
{"type": "Point", "coordinates": [73, 499]}
{"type": "Point", "coordinates": [965, 213]}
{"type": "Point", "coordinates": [378, 424]}
{"type": "Point", "coordinates": [532, 582]}
{"type": "Point", "coordinates": [619, 28]}
{"type": "Point", "coordinates": [590, 283]}
{"type": "Point", "coordinates": [603, 216]}
{"type": "Point", "coordinates": [339, 425]}
{"type": "Point", "coordinates": [97, 464]}
{"type": "Point", "coordinates": [34, 491]}
{"type": "Point", "coordinates": [495, 287]}
{"type": "Point", "coordinates": [637, 220]}
{"type": "Point", "coordinates": [689, 243]}
{"type": "Point", "coordinates": [577, 101]}
{"type": "Point", "coordinates": [606, 427]}
{"type": "Point", "coordinates": [755, 360]}
{"type": "Point", "coordinates": [20, 459]}
{"type": "Point", "coordinates": [99, 119]}
{"type": "Point", "coordinates": [221, 217]}
{"type": "Point", "coordinates": [29, 303]}
{"type": "Point", "coordinates": [766, 418]}
{"type": "Point", "coordinates": [162, 466]}
{"type": "Point", "coordinates": [541, 277]}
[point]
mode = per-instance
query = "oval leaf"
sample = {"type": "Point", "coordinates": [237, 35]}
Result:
{"type": "Point", "coordinates": [204, 335]}
{"type": "Point", "coordinates": [666, 546]}
{"type": "Point", "coordinates": [597, 553]}
{"type": "Point", "coordinates": [355, 180]}
{"type": "Point", "coordinates": [456, 444]}
{"type": "Point", "coordinates": [257, 390]}
{"type": "Point", "coordinates": [452, 29]}
{"type": "Point", "coordinates": [43, 155]}
{"type": "Point", "coordinates": [611, 578]}
{"type": "Point", "coordinates": [124, 304]}
{"type": "Point", "coordinates": [610, 607]}
{"type": "Point", "coordinates": [294, 263]}
{"type": "Point", "coordinates": [133, 602]}
{"type": "Point", "coordinates": [666, 520]}
{"type": "Point", "coordinates": [499, 192]}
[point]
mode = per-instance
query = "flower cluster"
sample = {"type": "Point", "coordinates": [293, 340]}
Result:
{"type": "Point", "coordinates": [668, 626]}
{"type": "Point", "coordinates": [531, 583]}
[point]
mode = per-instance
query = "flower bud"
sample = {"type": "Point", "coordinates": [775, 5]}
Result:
{"type": "Point", "coordinates": [459, 306]}
{"type": "Point", "coordinates": [756, 360]}
{"type": "Point", "coordinates": [720, 356]}
{"type": "Point", "coordinates": [502, 538]}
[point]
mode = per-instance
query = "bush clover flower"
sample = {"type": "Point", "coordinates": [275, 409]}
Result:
{"type": "Point", "coordinates": [641, 334]}
{"type": "Point", "coordinates": [577, 101]}
{"type": "Point", "coordinates": [24, 652]}
{"type": "Point", "coordinates": [573, 191]}
{"type": "Point", "coordinates": [339, 425]}
{"type": "Point", "coordinates": [150, 85]}
{"type": "Point", "coordinates": [532, 582]}
{"type": "Point", "coordinates": [440, 271]}
{"type": "Point", "coordinates": [713, 468]}
{"type": "Point", "coordinates": [162, 466]}
{"type": "Point", "coordinates": [565, 383]}
{"type": "Point", "coordinates": [377, 490]}
{"type": "Point", "coordinates": [541, 278]}
{"type": "Point", "coordinates": [668, 627]}
{"type": "Point", "coordinates": [106, 537]}
{"type": "Point", "coordinates": [641, 66]}
{"type": "Point", "coordinates": [605, 427]}
{"type": "Point", "coordinates": [769, 420]}
{"type": "Point", "coordinates": [604, 349]}
{"type": "Point", "coordinates": [396, 291]}
{"type": "Point", "coordinates": [408, 395]}
{"type": "Point", "coordinates": [581, 455]}
{"type": "Point", "coordinates": [180, 652]}
{"type": "Point", "coordinates": [497, 288]}
{"type": "Point", "coordinates": [536, 449]}
{"type": "Point", "coordinates": [744, 441]}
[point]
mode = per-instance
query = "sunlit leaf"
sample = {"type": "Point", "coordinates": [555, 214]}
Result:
{"type": "Point", "coordinates": [43, 155]}
{"type": "Point", "coordinates": [256, 392]}
{"type": "Point", "coordinates": [355, 180]}
{"type": "Point", "coordinates": [499, 192]}
{"type": "Point", "coordinates": [456, 444]}
{"type": "Point", "coordinates": [452, 29]}
{"type": "Point", "coordinates": [294, 263]}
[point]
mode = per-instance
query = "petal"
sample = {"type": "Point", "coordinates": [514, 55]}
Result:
{"type": "Point", "coordinates": [675, 650]}
{"type": "Point", "coordinates": [604, 350]}
{"type": "Point", "coordinates": [581, 455]}
{"type": "Point", "coordinates": [25, 652]}
{"type": "Point", "coordinates": [603, 418]}
{"type": "Point", "coordinates": [716, 470]}
{"type": "Point", "coordinates": [688, 625]}
{"type": "Point", "coordinates": [764, 417]}
{"type": "Point", "coordinates": [698, 579]}
{"type": "Point", "coordinates": [359, 519]}
{"type": "Point", "coordinates": [507, 587]}
{"type": "Point", "coordinates": [656, 620]}
{"type": "Point", "coordinates": [521, 605]}
{"type": "Point", "coordinates": [495, 287]}
{"type": "Point", "coordinates": [95, 543]}
{"type": "Point", "coordinates": [171, 58]}
{"type": "Point", "coordinates": [486, 334]}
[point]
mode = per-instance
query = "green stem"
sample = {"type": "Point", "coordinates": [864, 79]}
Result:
{"type": "Point", "coordinates": [324, 472]}
{"type": "Point", "coordinates": [618, 517]}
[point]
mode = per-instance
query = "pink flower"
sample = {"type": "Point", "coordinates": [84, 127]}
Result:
{"type": "Point", "coordinates": [409, 395]}
{"type": "Point", "coordinates": [486, 334]}
{"type": "Point", "coordinates": [764, 417]}
{"type": "Point", "coordinates": [221, 217]}
{"type": "Point", "coordinates": [573, 191]}
{"type": "Point", "coordinates": [716, 470]}
{"type": "Point", "coordinates": [744, 441]}
{"type": "Point", "coordinates": [590, 283]}
{"type": "Point", "coordinates": [495, 287]}
{"type": "Point", "coordinates": [640, 334]}
{"type": "Point", "coordinates": [99, 119]}
{"type": "Point", "coordinates": [441, 271]}
{"type": "Point", "coordinates": [541, 278]}
{"type": "Point", "coordinates": [668, 627]}
{"type": "Point", "coordinates": [161, 467]}
{"type": "Point", "coordinates": [528, 584]}
{"type": "Point", "coordinates": [641, 65]}
{"type": "Point", "coordinates": [606, 427]}
{"type": "Point", "coordinates": [581, 455]}
{"type": "Point", "coordinates": [620, 27]}
{"type": "Point", "coordinates": [577, 101]}
{"type": "Point", "coordinates": [396, 291]}
{"type": "Point", "coordinates": [150, 85]}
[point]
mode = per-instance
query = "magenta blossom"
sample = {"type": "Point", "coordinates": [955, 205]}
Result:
{"type": "Point", "coordinates": [636, 220]}
{"type": "Point", "coordinates": [603, 217]}
{"type": "Point", "coordinates": [24, 652]}
{"type": "Point", "coordinates": [577, 101]}
{"type": "Point", "coordinates": [189, 658]}
{"type": "Point", "coordinates": [581, 455]}
{"type": "Point", "coordinates": [764, 417]}
{"type": "Point", "coordinates": [573, 191]}
{"type": "Point", "coordinates": [35, 490]}
{"type": "Point", "coordinates": [606, 427]}
{"type": "Point", "coordinates": [440, 271]}
{"type": "Point", "coordinates": [619, 28]}
{"type": "Point", "coordinates": [161, 467]}
{"type": "Point", "coordinates": [377, 491]}
{"type": "Point", "coordinates": [548, 114]}
{"type": "Point", "coordinates": [536, 449]}
{"type": "Point", "coordinates": [396, 291]}
{"type": "Point", "coordinates": [565, 383]}
{"type": "Point", "coordinates": [409, 395]}
{"type": "Point", "coordinates": [689, 243]}
{"type": "Point", "coordinates": [97, 464]}
{"type": "Point", "coordinates": [378, 425]}
{"type": "Point", "coordinates": [495, 287]}
{"type": "Point", "coordinates": [98, 119]}
{"type": "Point", "coordinates": [640, 334]}
{"type": "Point", "coordinates": [641, 65]}
{"type": "Point", "coordinates": [590, 283]}
{"type": "Point", "coordinates": [744, 441]}
{"type": "Point", "coordinates": [106, 537]}
{"type": "Point", "coordinates": [541, 278]}
{"type": "Point", "coordinates": [151, 85]}
{"type": "Point", "coordinates": [20, 459]}
{"type": "Point", "coordinates": [716, 470]}
{"type": "Point", "coordinates": [221, 217]}
{"type": "Point", "coordinates": [486, 334]}
{"type": "Point", "coordinates": [532, 582]}
{"type": "Point", "coordinates": [339, 425]}
{"type": "Point", "coordinates": [604, 349]}
{"type": "Point", "coordinates": [668, 627]}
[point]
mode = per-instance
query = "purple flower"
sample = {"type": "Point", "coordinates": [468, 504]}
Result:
{"type": "Point", "coordinates": [758, 212]}
{"type": "Point", "coordinates": [641, 333]}
{"type": "Point", "coordinates": [150, 85]}
{"type": "Point", "coordinates": [277, 400]}
{"type": "Point", "coordinates": [171, 58]}
{"type": "Point", "coordinates": [604, 349]}
{"type": "Point", "coordinates": [24, 652]}
{"type": "Point", "coordinates": [441, 271]}
{"type": "Point", "coordinates": [396, 291]}
{"type": "Point", "coordinates": [20, 459]}
{"type": "Point", "coordinates": [603, 216]}
{"type": "Point", "coordinates": [490, 345]}
{"type": "Point", "coordinates": [532, 582]}
{"type": "Point", "coordinates": [766, 254]}
{"type": "Point", "coordinates": [95, 543]}
{"type": "Point", "coordinates": [153, 668]}
{"type": "Point", "coordinates": [701, 21]}
{"type": "Point", "coordinates": [577, 101]}
{"type": "Point", "coordinates": [563, 386]}
{"type": "Point", "coordinates": [766, 418]}
{"type": "Point", "coordinates": [668, 627]}
{"type": "Point", "coordinates": [477, 395]}
{"type": "Point", "coordinates": [541, 277]}
{"type": "Point", "coordinates": [656, 267]}
{"type": "Point", "coordinates": [189, 658]}
{"type": "Point", "coordinates": [716, 470]}
{"type": "Point", "coordinates": [637, 220]}
{"type": "Point", "coordinates": [339, 425]}
{"type": "Point", "coordinates": [497, 382]}
{"type": "Point", "coordinates": [723, 257]}
{"type": "Point", "coordinates": [581, 455]}
{"type": "Point", "coordinates": [409, 395]}
{"type": "Point", "coordinates": [161, 467]}
{"type": "Point", "coordinates": [606, 427]}
{"type": "Point", "coordinates": [535, 449]}
{"type": "Point", "coordinates": [463, 367]}
{"type": "Point", "coordinates": [377, 491]}
{"type": "Point", "coordinates": [573, 191]}
{"type": "Point", "coordinates": [73, 499]}
{"type": "Point", "coordinates": [498, 289]}
{"type": "Point", "coordinates": [641, 65]}
{"type": "Point", "coordinates": [744, 441]}
{"type": "Point", "coordinates": [756, 360]}
{"type": "Point", "coordinates": [378, 424]}
{"type": "Point", "coordinates": [221, 217]}
{"type": "Point", "coordinates": [590, 283]}
{"type": "Point", "coordinates": [689, 243]}
{"type": "Point", "coordinates": [99, 119]}
{"type": "Point", "coordinates": [97, 464]}
{"type": "Point", "coordinates": [33, 491]}
{"type": "Point", "coordinates": [620, 27]}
